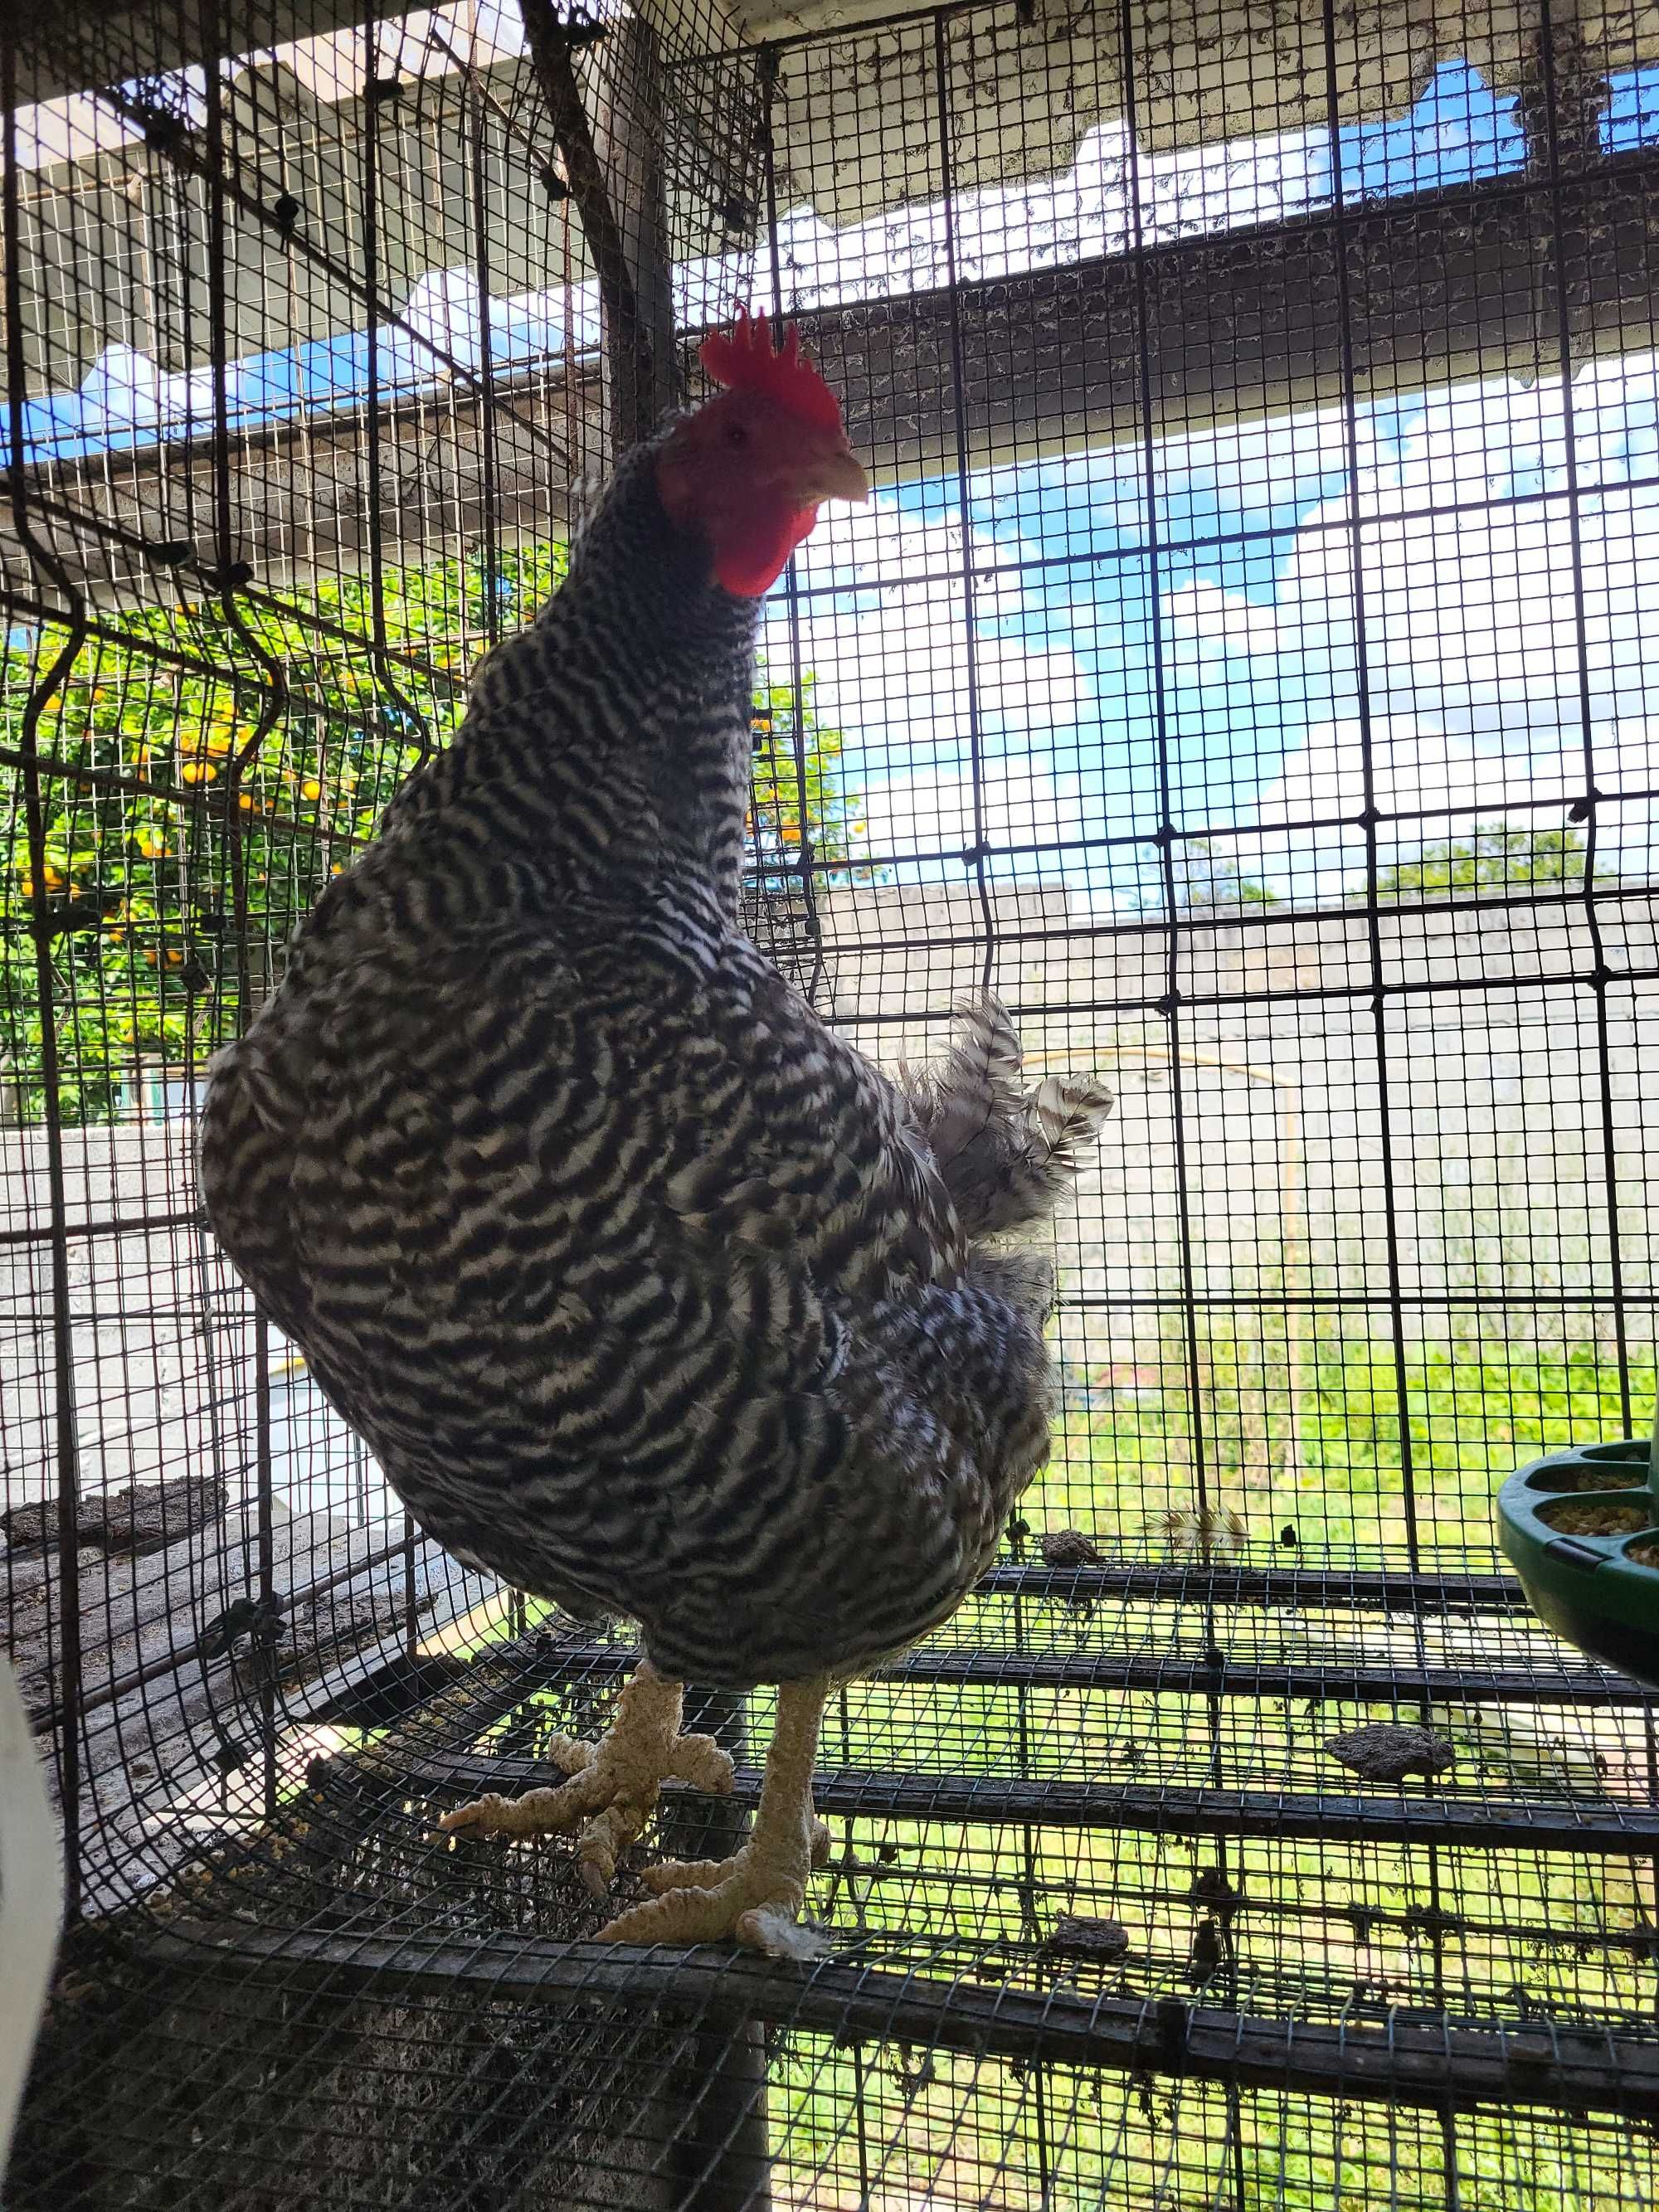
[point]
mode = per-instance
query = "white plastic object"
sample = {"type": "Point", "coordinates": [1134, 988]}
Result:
{"type": "Point", "coordinates": [30, 1901]}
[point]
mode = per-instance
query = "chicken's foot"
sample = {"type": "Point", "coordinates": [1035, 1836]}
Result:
{"type": "Point", "coordinates": [614, 1782]}
{"type": "Point", "coordinates": [756, 1894]}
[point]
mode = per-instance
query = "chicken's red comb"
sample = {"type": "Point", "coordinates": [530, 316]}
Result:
{"type": "Point", "coordinates": [745, 361]}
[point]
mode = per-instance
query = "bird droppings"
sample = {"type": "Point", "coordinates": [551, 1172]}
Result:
{"type": "Point", "coordinates": [1594, 1517]}
{"type": "Point", "coordinates": [1213, 1887]}
{"type": "Point", "coordinates": [1069, 1548]}
{"type": "Point", "coordinates": [1388, 1751]}
{"type": "Point", "coordinates": [1075, 1937]}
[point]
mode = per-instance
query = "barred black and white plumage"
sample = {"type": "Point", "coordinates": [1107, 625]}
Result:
{"type": "Point", "coordinates": [1006, 1154]}
{"type": "Point", "coordinates": [643, 1285]}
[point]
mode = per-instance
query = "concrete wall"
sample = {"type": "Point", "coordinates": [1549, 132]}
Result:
{"type": "Point", "coordinates": [1496, 1137]}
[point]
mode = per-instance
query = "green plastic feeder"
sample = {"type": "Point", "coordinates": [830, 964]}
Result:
{"type": "Point", "coordinates": [1575, 1526]}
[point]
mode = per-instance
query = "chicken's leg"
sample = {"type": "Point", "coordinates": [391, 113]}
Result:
{"type": "Point", "coordinates": [756, 1894]}
{"type": "Point", "coordinates": [615, 1781]}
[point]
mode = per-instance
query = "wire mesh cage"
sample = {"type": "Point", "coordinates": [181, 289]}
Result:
{"type": "Point", "coordinates": [1243, 668]}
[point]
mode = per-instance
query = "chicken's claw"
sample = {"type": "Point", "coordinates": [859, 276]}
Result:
{"type": "Point", "coordinates": [753, 1897]}
{"type": "Point", "coordinates": [614, 1782]}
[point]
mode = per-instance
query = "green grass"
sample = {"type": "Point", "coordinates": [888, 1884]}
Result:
{"type": "Point", "coordinates": [980, 2132]}
{"type": "Point", "coordinates": [1336, 1455]}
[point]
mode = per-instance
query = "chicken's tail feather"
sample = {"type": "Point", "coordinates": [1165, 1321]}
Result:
{"type": "Point", "coordinates": [1007, 1154]}
{"type": "Point", "coordinates": [975, 1096]}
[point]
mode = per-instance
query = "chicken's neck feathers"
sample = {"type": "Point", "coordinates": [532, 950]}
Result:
{"type": "Point", "coordinates": [609, 741]}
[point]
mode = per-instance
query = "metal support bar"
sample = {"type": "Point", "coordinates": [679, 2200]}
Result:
{"type": "Point", "coordinates": [1604, 1827]}
{"type": "Point", "coordinates": [1359, 1589]}
{"type": "Point", "coordinates": [1321, 1680]}
{"type": "Point", "coordinates": [1394, 2059]}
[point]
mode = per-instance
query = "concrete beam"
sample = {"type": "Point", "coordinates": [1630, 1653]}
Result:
{"type": "Point", "coordinates": [91, 39]}
{"type": "Point", "coordinates": [1434, 288]}
{"type": "Point", "coordinates": [92, 42]}
{"type": "Point", "coordinates": [300, 499]}
{"type": "Point", "coordinates": [1198, 70]}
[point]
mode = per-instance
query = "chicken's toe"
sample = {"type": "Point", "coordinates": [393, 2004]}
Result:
{"type": "Point", "coordinates": [614, 1784]}
{"type": "Point", "coordinates": [615, 1812]}
{"type": "Point", "coordinates": [709, 1873]}
{"type": "Point", "coordinates": [537, 1812]}
{"type": "Point", "coordinates": [685, 1874]}
{"type": "Point", "coordinates": [752, 1896]}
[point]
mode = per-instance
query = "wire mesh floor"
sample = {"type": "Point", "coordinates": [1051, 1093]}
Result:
{"type": "Point", "coordinates": [1078, 1908]}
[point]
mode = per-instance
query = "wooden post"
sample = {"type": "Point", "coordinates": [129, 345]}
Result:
{"type": "Point", "coordinates": [614, 168]}
{"type": "Point", "coordinates": [642, 360]}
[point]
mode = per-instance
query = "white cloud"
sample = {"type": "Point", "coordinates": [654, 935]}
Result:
{"type": "Point", "coordinates": [1475, 610]}
{"type": "Point", "coordinates": [1421, 780]}
{"type": "Point", "coordinates": [1087, 210]}
{"type": "Point", "coordinates": [1208, 624]}
{"type": "Point", "coordinates": [919, 819]}
{"type": "Point", "coordinates": [1091, 207]}
{"type": "Point", "coordinates": [1496, 618]}
{"type": "Point", "coordinates": [1477, 616]}
{"type": "Point", "coordinates": [1431, 788]}
{"type": "Point", "coordinates": [883, 627]}
{"type": "Point", "coordinates": [123, 390]}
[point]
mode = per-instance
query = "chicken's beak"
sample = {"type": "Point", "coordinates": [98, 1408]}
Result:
{"type": "Point", "coordinates": [832, 474]}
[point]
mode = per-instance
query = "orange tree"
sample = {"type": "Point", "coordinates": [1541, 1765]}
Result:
{"type": "Point", "coordinates": [800, 808]}
{"type": "Point", "coordinates": [201, 779]}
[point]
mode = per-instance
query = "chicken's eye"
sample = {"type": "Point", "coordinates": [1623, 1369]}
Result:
{"type": "Point", "coordinates": [736, 434]}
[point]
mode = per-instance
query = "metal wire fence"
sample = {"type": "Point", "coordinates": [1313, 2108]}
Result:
{"type": "Point", "coordinates": [1244, 668]}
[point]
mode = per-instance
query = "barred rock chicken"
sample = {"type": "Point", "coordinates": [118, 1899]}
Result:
{"type": "Point", "coordinates": [649, 1294]}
